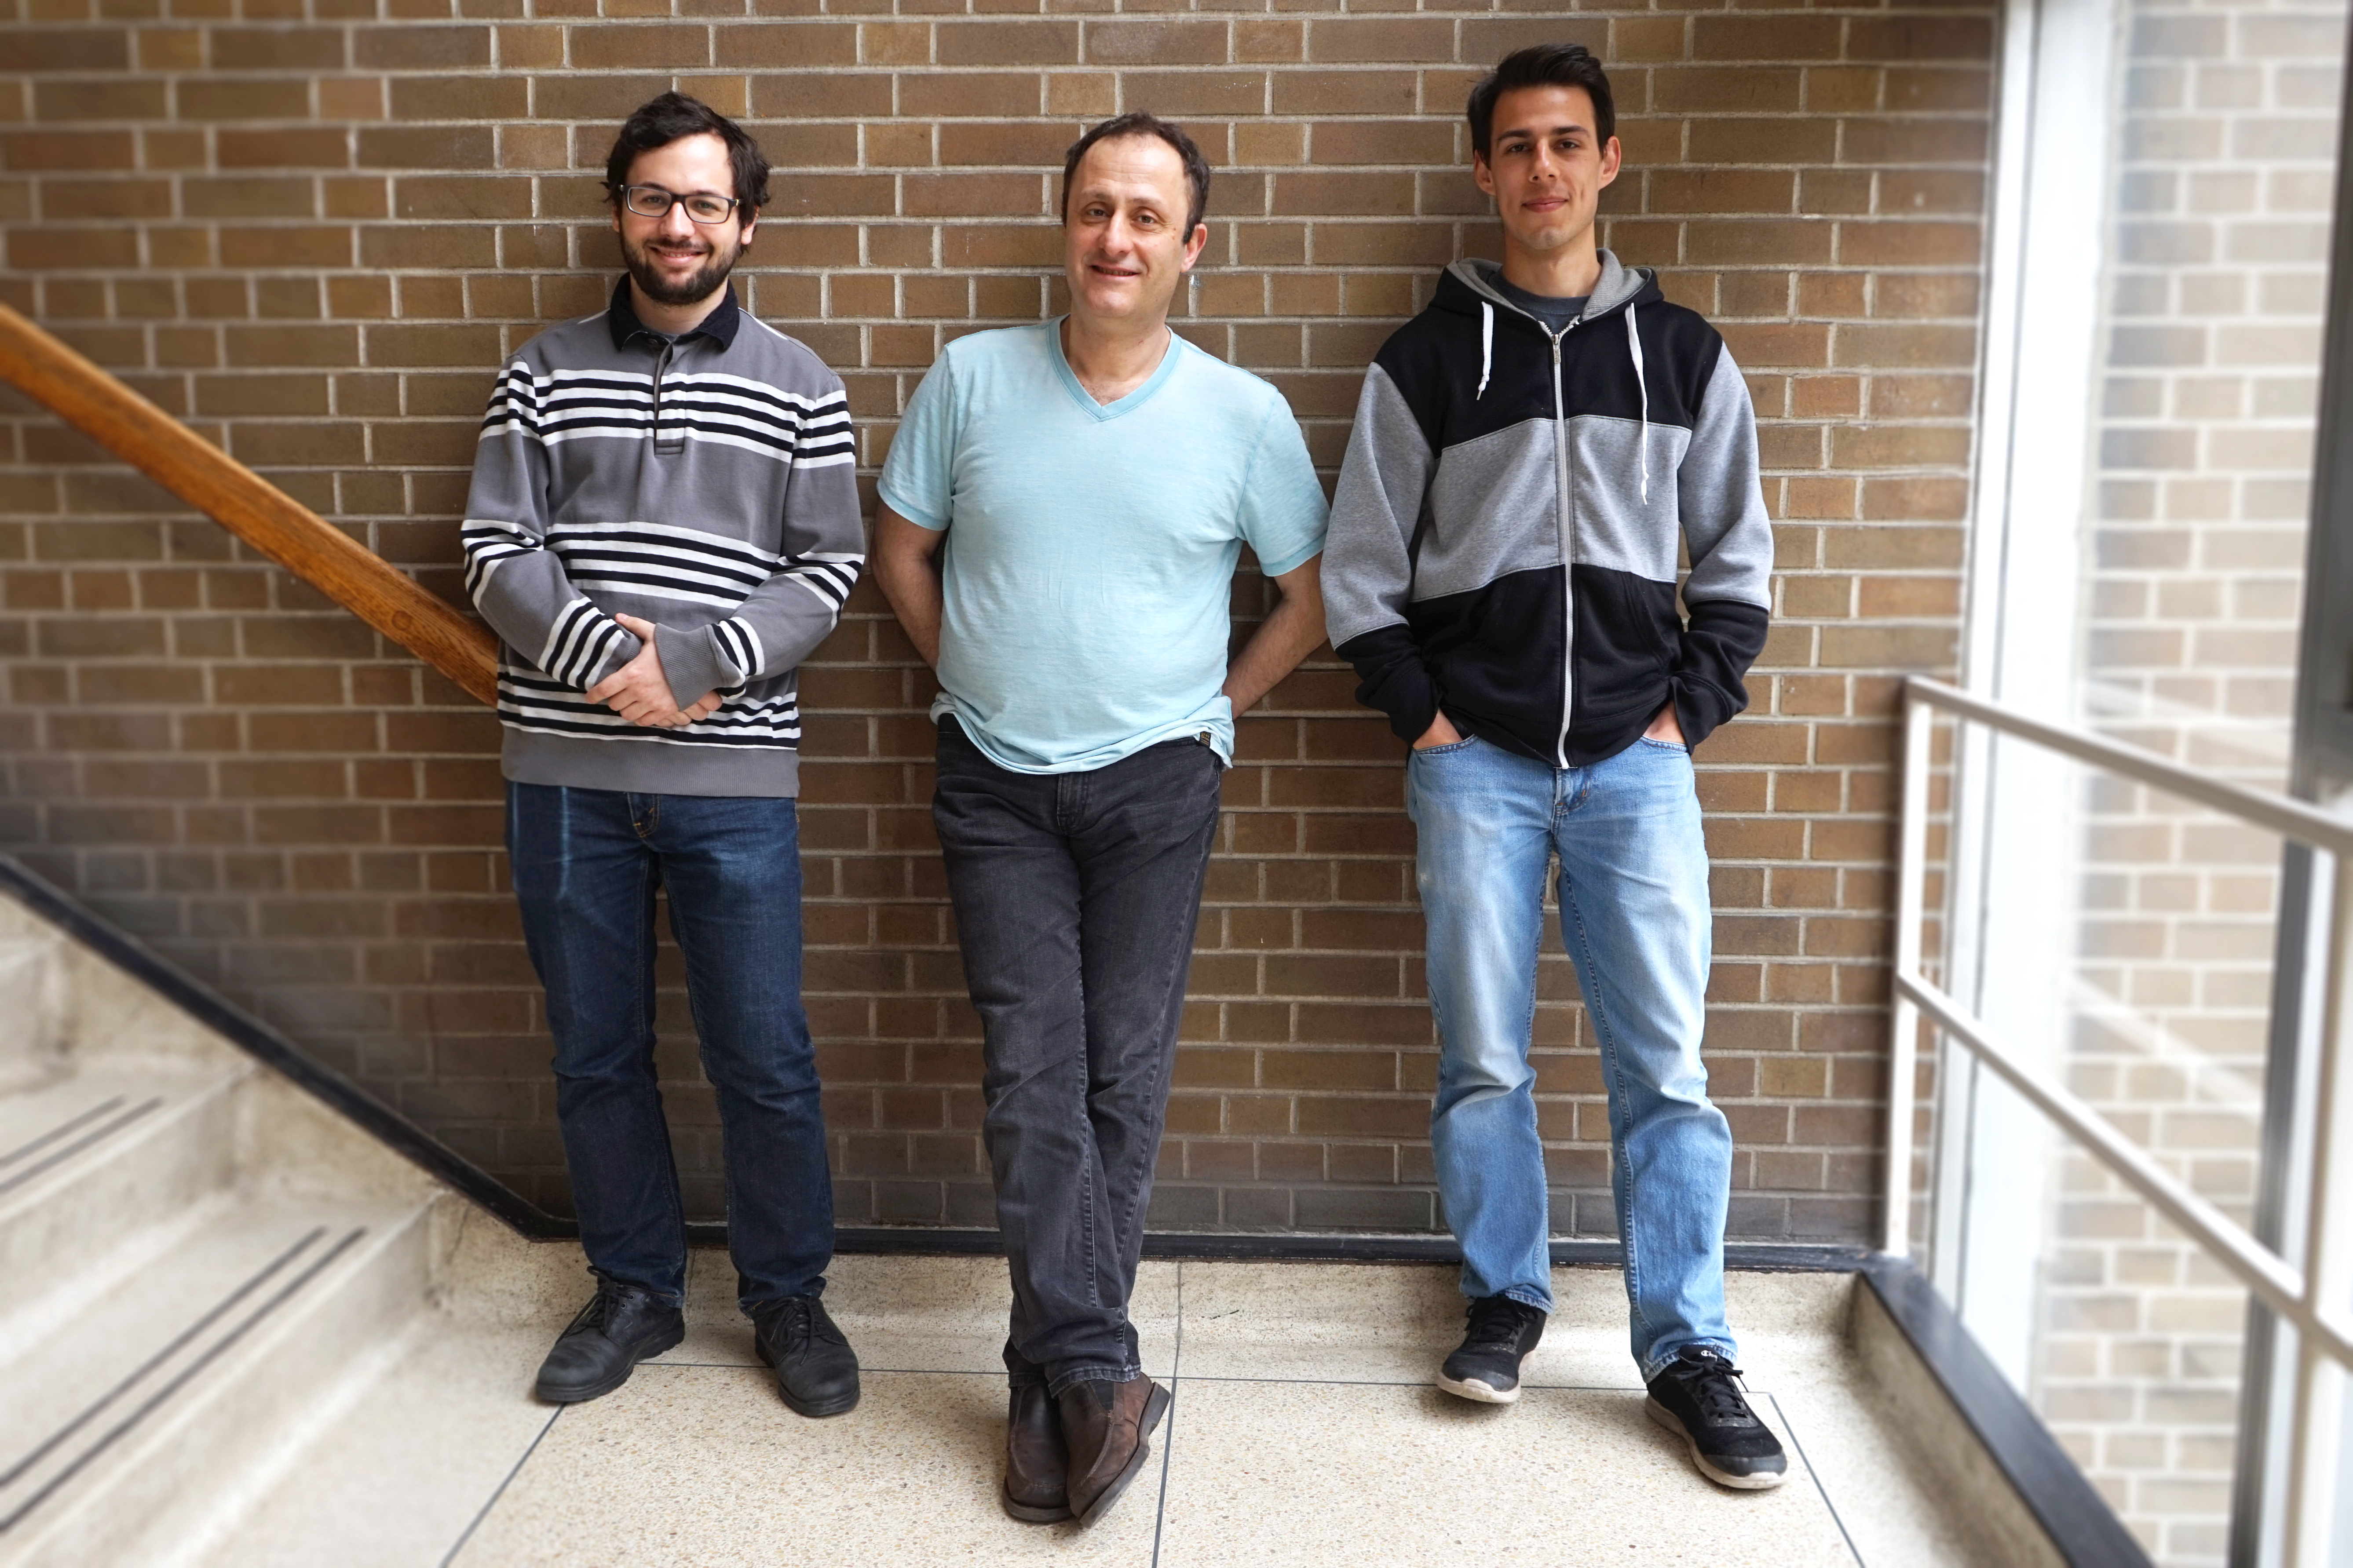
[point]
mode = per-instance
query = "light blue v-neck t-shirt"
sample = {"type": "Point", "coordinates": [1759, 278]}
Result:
{"type": "Point", "coordinates": [1091, 551]}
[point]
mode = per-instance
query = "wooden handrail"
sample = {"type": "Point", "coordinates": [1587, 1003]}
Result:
{"type": "Point", "coordinates": [284, 528]}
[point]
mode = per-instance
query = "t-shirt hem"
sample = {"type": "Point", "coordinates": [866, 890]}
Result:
{"type": "Point", "coordinates": [913, 514]}
{"type": "Point", "coordinates": [638, 767]}
{"type": "Point", "coordinates": [1304, 557]}
{"type": "Point", "coordinates": [1220, 732]}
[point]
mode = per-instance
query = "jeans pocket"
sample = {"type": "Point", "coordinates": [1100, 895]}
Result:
{"type": "Point", "coordinates": [1448, 750]}
{"type": "Point", "coordinates": [1677, 747]}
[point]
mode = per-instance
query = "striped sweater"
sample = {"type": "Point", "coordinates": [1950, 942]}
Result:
{"type": "Point", "coordinates": [705, 484]}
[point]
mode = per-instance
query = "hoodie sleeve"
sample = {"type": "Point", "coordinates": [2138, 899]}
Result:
{"type": "Point", "coordinates": [781, 622]}
{"type": "Point", "coordinates": [1367, 556]}
{"type": "Point", "coordinates": [1728, 593]}
{"type": "Point", "coordinates": [518, 584]}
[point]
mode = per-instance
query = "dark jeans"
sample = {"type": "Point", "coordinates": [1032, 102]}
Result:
{"type": "Point", "coordinates": [586, 863]}
{"type": "Point", "coordinates": [1075, 898]}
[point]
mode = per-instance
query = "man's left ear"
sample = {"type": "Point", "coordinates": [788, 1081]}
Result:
{"type": "Point", "coordinates": [1194, 243]}
{"type": "Point", "coordinates": [749, 230]}
{"type": "Point", "coordinates": [1610, 161]}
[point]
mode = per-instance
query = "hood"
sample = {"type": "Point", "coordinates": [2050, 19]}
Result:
{"type": "Point", "coordinates": [1467, 288]}
{"type": "Point", "coordinates": [1465, 284]}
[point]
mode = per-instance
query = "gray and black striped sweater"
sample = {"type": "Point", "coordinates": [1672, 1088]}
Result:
{"type": "Point", "coordinates": [706, 484]}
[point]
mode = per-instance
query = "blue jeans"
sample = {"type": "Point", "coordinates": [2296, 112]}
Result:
{"type": "Point", "coordinates": [1634, 915]}
{"type": "Point", "coordinates": [586, 863]}
{"type": "Point", "coordinates": [1075, 899]}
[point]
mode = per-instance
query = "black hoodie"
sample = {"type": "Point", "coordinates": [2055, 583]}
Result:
{"type": "Point", "coordinates": [1504, 540]}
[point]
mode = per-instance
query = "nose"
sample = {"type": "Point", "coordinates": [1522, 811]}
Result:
{"type": "Point", "coordinates": [674, 224]}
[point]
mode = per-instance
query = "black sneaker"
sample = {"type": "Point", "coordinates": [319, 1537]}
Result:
{"type": "Point", "coordinates": [620, 1327]}
{"type": "Point", "coordinates": [817, 1371]}
{"type": "Point", "coordinates": [1487, 1365]}
{"type": "Point", "coordinates": [1697, 1398]}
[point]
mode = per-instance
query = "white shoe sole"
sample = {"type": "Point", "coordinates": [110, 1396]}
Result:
{"type": "Point", "coordinates": [1474, 1389]}
{"type": "Point", "coordinates": [1763, 1481]}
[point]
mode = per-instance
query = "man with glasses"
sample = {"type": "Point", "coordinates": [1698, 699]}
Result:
{"type": "Point", "coordinates": [663, 524]}
{"type": "Point", "coordinates": [1062, 514]}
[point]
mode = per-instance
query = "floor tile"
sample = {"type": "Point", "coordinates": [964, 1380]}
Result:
{"type": "Point", "coordinates": [702, 1466]}
{"type": "Point", "coordinates": [911, 1314]}
{"type": "Point", "coordinates": [1385, 1323]}
{"type": "Point", "coordinates": [1268, 1474]}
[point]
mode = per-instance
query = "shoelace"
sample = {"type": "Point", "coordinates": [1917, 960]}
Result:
{"type": "Point", "coordinates": [1495, 1324]}
{"type": "Point", "coordinates": [793, 1324]}
{"type": "Point", "coordinates": [1714, 1385]}
{"type": "Point", "coordinates": [603, 1306]}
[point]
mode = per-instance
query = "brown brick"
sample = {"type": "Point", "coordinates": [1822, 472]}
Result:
{"type": "Point", "coordinates": [1155, 43]}
{"type": "Point", "coordinates": [1009, 43]}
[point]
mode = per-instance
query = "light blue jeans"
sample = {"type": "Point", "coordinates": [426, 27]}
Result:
{"type": "Point", "coordinates": [1634, 916]}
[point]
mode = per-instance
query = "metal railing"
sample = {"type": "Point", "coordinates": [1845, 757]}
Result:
{"type": "Point", "coordinates": [2314, 1299]}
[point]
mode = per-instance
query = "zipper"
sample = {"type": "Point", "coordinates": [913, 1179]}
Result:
{"type": "Point", "coordinates": [1568, 546]}
{"type": "Point", "coordinates": [1566, 524]}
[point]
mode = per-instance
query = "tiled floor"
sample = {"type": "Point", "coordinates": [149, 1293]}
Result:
{"type": "Point", "coordinates": [1303, 1431]}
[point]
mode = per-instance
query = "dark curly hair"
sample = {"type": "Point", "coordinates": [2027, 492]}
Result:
{"type": "Point", "coordinates": [674, 117]}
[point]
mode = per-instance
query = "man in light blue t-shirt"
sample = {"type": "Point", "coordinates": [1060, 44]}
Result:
{"type": "Point", "coordinates": [1061, 515]}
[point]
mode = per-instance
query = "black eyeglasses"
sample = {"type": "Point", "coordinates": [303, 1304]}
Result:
{"type": "Point", "coordinates": [653, 201]}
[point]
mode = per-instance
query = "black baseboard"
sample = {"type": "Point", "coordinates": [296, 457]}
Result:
{"type": "Point", "coordinates": [2072, 1513]}
{"type": "Point", "coordinates": [1287, 1247]}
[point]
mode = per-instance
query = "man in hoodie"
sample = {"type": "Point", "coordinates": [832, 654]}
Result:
{"type": "Point", "coordinates": [1500, 570]}
{"type": "Point", "coordinates": [663, 523]}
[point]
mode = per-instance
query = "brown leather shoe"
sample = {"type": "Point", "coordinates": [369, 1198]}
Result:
{"type": "Point", "coordinates": [1035, 1461]}
{"type": "Point", "coordinates": [1105, 1426]}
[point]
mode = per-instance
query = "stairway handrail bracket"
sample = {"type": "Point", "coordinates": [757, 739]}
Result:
{"type": "Point", "coordinates": [2313, 1298]}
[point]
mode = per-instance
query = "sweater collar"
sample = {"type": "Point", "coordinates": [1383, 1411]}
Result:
{"type": "Point", "coordinates": [720, 326]}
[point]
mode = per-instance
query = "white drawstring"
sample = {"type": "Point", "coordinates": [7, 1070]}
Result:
{"type": "Point", "coordinates": [1634, 346]}
{"type": "Point", "coordinates": [1486, 347]}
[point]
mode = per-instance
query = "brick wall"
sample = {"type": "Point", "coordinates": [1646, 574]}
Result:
{"type": "Point", "coordinates": [311, 227]}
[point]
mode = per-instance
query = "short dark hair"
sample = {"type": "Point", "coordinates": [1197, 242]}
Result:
{"type": "Point", "coordinates": [1137, 122]}
{"type": "Point", "coordinates": [674, 117]}
{"type": "Point", "coordinates": [1542, 65]}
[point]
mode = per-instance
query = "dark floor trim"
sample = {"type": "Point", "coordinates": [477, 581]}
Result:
{"type": "Point", "coordinates": [263, 1042]}
{"type": "Point", "coordinates": [1292, 1248]}
{"type": "Point", "coordinates": [2078, 1521]}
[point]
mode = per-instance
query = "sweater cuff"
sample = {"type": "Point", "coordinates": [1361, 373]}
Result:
{"type": "Point", "coordinates": [1395, 680]}
{"type": "Point", "coordinates": [690, 661]}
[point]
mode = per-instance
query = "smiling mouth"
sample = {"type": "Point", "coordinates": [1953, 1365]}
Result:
{"type": "Point", "coordinates": [1101, 271]}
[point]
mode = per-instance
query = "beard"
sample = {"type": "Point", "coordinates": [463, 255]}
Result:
{"type": "Point", "coordinates": [658, 288]}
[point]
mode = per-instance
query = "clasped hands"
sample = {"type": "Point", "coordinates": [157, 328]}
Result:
{"type": "Point", "coordinates": [640, 691]}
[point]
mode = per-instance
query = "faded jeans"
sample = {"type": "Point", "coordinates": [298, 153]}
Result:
{"type": "Point", "coordinates": [1634, 916]}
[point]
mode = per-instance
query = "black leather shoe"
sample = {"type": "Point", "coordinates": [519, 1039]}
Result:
{"type": "Point", "coordinates": [621, 1326]}
{"type": "Point", "coordinates": [817, 1371]}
